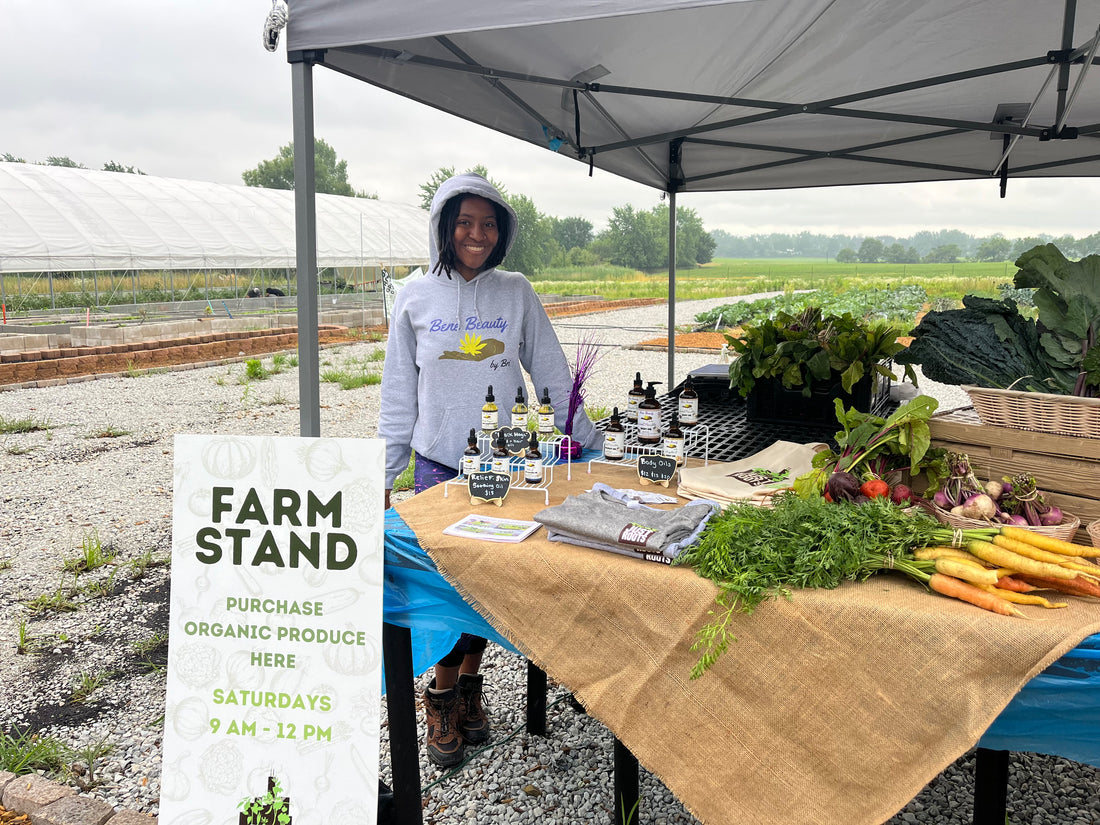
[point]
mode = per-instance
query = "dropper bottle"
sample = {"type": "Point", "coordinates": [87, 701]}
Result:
{"type": "Point", "coordinates": [489, 412]}
{"type": "Point", "coordinates": [471, 457]}
{"type": "Point", "coordinates": [649, 417]}
{"type": "Point", "coordinates": [519, 410]}
{"type": "Point", "coordinates": [614, 437]}
{"type": "Point", "coordinates": [673, 446]}
{"type": "Point", "coordinates": [689, 404]}
{"type": "Point", "coordinates": [546, 414]}
{"type": "Point", "coordinates": [635, 397]}
{"type": "Point", "coordinates": [532, 462]}
{"type": "Point", "coordinates": [502, 460]}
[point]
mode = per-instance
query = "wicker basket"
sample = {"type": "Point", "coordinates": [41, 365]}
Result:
{"type": "Point", "coordinates": [1037, 411]}
{"type": "Point", "coordinates": [1094, 532]}
{"type": "Point", "coordinates": [1064, 531]}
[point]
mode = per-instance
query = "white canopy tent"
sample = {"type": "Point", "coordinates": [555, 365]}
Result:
{"type": "Point", "coordinates": [57, 219]}
{"type": "Point", "coordinates": [726, 95]}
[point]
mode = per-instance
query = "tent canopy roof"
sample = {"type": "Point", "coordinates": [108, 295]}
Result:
{"type": "Point", "coordinates": [712, 95]}
{"type": "Point", "coordinates": [57, 219]}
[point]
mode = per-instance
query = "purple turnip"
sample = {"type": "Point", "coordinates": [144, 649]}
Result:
{"type": "Point", "coordinates": [842, 486]}
{"type": "Point", "coordinates": [1053, 516]}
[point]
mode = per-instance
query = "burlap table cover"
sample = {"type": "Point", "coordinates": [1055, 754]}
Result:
{"type": "Point", "coordinates": [835, 707]}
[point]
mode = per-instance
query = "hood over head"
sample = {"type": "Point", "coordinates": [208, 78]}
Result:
{"type": "Point", "coordinates": [467, 183]}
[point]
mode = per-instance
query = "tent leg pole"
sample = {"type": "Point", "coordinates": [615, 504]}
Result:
{"type": "Point", "coordinates": [990, 786]}
{"type": "Point", "coordinates": [305, 233]}
{"type": "Point", "coordinates": [671, 291]}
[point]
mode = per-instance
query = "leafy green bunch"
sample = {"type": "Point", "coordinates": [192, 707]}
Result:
{"type": "Point", "coordinates": [870, 446]}
{"type": "Point", "coordinates": [799, 349]}
{"type": "Point", "coordinates": [990, 343]}
{"type": "Point", "coordinates": [1067, 294]}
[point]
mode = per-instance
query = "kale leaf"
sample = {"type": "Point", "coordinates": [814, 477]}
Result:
{"type": "Point", "coordinates": [988, 343]}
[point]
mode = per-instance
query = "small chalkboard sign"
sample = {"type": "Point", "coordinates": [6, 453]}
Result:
{"type": "Point", "coordinates": [516, 439]}
{"type": "Point", "coordinates": [656, 469]}
{"type": "Point", "coordinates": [488, 487]}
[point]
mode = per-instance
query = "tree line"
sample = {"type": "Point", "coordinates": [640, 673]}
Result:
{"type": "Point", "coordinates": [69, 163]}
{"type": "Point", "coordinates": [942, 246]}
{"type": "Point", "coordinates": [634, 238]}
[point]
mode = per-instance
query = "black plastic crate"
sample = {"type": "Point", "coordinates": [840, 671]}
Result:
{"type": "Point", "coordinates": [769, 400]}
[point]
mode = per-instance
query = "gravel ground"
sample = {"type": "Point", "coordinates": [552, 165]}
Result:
{"type": "Point", "coordinates": [99, 474]}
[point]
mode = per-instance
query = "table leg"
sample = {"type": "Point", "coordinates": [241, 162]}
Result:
{"type": "Point", "coordinates": [536, 699]}
{"type": "Point", "coordinates": [990, 786]}
{"type": "Point", "coordinates": [404, 740]}
{"type": "Point", "coordinates": [625, 786]}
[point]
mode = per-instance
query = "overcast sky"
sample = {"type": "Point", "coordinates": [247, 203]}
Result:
{"type": "Point", "coordinates": [186, 90]}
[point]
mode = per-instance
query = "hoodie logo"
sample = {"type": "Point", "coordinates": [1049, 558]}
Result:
{"type": "Point", "coordinates": [471, 347]}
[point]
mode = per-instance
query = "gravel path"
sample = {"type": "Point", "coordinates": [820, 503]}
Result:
{"type": "Point", "coordinates": [98, 474]}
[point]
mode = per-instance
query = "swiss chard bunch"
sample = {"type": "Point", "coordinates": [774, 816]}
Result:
{"type": "Point", "coordinates": [799, 349]}
{"type": "Point", "coordinates": [1067, 294]}
{"type": "Point", "coordinates": [869, 445]}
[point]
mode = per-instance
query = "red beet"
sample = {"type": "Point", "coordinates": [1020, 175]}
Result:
{"type": "Point", "coordinates": [901, 494]}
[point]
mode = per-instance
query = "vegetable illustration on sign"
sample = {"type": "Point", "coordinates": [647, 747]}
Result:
{"type": "Point", "coordinates": [270, 809]}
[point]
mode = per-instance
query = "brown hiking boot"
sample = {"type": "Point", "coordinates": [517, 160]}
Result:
{"type": "Point", "coordinates": [472, 721]}
{"type": "Point", "coordinates": [444, 740]}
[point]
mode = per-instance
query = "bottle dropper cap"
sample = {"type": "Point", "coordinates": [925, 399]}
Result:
{"type": "Point", "coordinates": [489, 395]}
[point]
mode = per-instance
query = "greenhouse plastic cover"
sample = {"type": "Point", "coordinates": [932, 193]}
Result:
{"type": "Point", "coordinates": [57, 219]}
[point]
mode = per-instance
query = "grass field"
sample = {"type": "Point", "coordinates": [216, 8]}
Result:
{"type": "Point", "coordinates": [728, 277]}
{"type": "Point", "coordinates": [721, 278]}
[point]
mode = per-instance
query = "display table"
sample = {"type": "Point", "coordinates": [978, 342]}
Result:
{"type": "Point", "coordinates": [838, 706]}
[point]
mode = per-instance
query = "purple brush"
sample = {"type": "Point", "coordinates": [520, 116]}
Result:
{"type": "Point", "coordinates": [588, 356]}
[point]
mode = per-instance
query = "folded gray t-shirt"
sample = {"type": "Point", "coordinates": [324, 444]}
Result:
{"type": "Point", "coordinates": [608, 519]}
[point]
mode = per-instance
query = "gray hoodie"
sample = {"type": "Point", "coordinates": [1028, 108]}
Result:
{"type": "Point", "coordinates": [449, 339]}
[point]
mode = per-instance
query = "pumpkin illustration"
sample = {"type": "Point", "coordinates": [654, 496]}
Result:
{"type": "Point", "coordinates": [322, 459]}
{"type": "Point", "coordinates": [229, 457]}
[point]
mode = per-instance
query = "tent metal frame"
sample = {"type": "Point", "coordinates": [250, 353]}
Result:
{"type": "Point", "coordinates": [678, 143]}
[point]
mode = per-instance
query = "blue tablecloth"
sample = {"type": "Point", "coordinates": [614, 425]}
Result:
{"type": "Point", "coordinates": [1057, 712]}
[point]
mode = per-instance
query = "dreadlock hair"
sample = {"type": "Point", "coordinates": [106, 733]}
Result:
{"type": "Point", "coordinates": [448, 217]}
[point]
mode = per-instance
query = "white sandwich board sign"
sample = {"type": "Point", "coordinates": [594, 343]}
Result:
{"type": "Point", "coordinates": [275, 655]}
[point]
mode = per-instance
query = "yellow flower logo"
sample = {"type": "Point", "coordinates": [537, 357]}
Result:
{"type": "Point", "coordinates": [471, 344]}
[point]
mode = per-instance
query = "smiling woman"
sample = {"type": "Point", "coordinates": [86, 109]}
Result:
{"type": "Point", "coordinates": [450, 338]}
